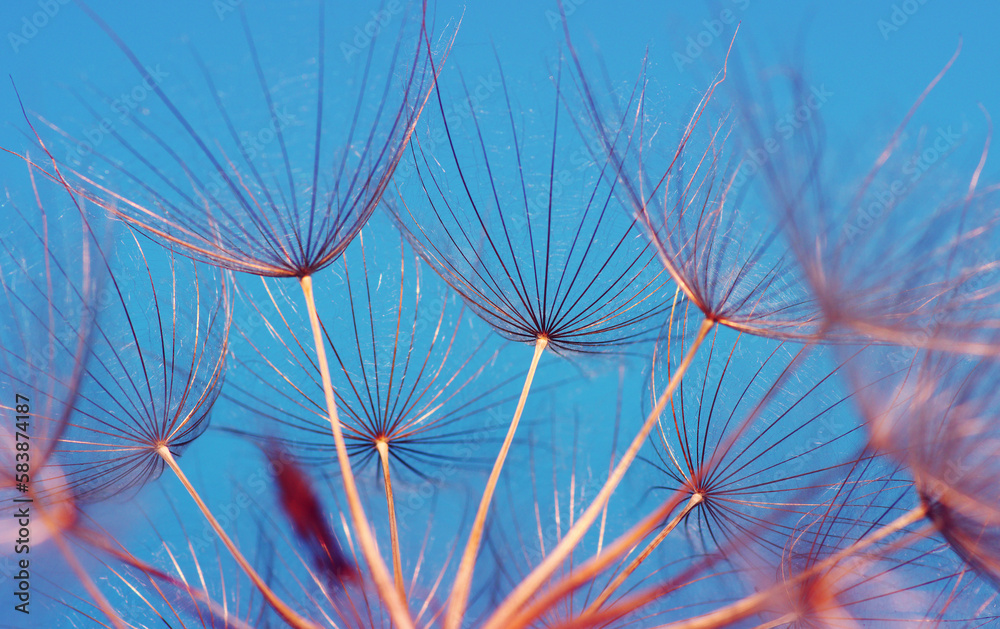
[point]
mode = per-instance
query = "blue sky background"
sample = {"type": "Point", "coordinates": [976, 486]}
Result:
{"type": "Point", "coordinates": [875, 71]}
{"type": "Point", "coordinates": [873, 56]}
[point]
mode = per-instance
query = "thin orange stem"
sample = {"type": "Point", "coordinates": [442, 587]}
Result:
{"type": "Point", "coordinates": [463, 579]}
{"type": "Point", "coordinates": [695, 500]}
{"type": "Point", "coordinates": [397, 562]}
{"type": "Point", "coordinates": [395, 605]}
{"type": "Point", "coordinates": [529, 587]}
{"type": "Point", "coordinates": [287, 613]}
{"type": "Point", "coordinates": [594, 566]}
{"type": "Point", "coordinates": [751, 604]}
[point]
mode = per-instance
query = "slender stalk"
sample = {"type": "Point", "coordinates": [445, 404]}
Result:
{"type": "Point", "coordinates": [287, 613]}
{"type": "Point", "coordinates": [695, 500]}
{"type": "Point", "coordinates": [395, 605]}
{"type": "Point", "coordinates": [397, 562]}
{"type": "Point", "coordinates": [530, 585]}
{"type": "Point", "coordinates": [751, 604]}
{"type": "Point", "coordinates": [463, 579]}
{"type": "Point", "coordinates": [587, 572]}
